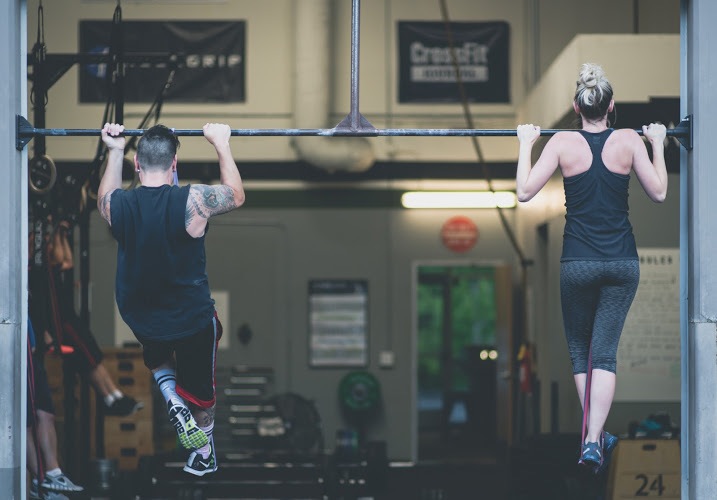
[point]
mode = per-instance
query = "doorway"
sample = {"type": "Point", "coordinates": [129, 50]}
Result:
{"type": "Point", "coordinates": [463, 356]}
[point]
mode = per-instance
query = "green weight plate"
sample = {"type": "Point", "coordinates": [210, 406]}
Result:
{"type": "Point", "coordinates": [359, 391]}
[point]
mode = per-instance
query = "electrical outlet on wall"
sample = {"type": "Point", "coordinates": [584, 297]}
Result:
{"type": "Point", "coordinates": [386, 359]}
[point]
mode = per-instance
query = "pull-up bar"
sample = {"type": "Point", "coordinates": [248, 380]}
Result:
{"type": "Point", "coordinates": [25, 132]}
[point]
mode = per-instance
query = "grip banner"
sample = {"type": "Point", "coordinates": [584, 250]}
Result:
{"type": "Point", "coordinates": [209, 57]}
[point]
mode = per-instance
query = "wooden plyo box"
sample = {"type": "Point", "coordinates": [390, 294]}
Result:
{"type": "Point", "coordinates": [126, 368]}
{"type": "Point", "coordinates": [126, 439]}
{"type": "Point", "coordinates": [645, 468]}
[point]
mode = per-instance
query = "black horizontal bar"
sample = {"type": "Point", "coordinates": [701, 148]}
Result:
{"type": "Point", "coordinates": [25, 130]}
{"type": "Point", "coordinates": [265, 132]}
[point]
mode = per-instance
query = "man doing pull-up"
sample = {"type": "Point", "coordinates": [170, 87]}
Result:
{"type": "Point", "coordinates": [161, 288]}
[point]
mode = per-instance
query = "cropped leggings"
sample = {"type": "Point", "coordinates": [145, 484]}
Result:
{"type": "Point", "coordinates": [595, 297]}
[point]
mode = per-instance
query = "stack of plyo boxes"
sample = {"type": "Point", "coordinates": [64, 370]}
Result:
{"type": "Point", "coordinates": [128, 438]}
{"type": "Point", "coordinates": [125, 439]}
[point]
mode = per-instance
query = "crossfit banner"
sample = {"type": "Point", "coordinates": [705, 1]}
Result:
{"type": "Point", "coordinates": [209, 57]}
{"type": "Point", "coordinates": [426, 70]}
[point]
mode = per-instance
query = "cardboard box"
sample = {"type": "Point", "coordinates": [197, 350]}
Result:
{"type": "Point", "coordinates": [645, 468]}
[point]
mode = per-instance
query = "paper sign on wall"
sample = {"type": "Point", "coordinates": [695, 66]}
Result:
{"type": "Point", "coordinates": [648, 359]}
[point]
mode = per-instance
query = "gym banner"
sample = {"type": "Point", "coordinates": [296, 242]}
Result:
{"type": "Point", "coordinates": [426, 70]}
{"type": "Point", "coordinates": [209, 57]}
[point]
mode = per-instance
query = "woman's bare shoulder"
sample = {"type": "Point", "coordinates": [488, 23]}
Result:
{"type": "Point", "coordinates": [566, 137]}
{"type": "Point", "coordinates": [626, 133]}
{"type": "Point", "coordinates": [627, 137]}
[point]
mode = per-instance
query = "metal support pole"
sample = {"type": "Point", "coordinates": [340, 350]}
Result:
{"type": "Point", "coordinates": [701, 253]}
{"type": "Point", "coordinates": [684, 270]}
{"type": "Point", "coordinates": [13, 254]}
{"type": "Point", "coordinates": [355, 48]}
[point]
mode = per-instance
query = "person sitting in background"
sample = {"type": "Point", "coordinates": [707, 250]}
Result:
{"type": "Point", "coordinates": [51, 293]}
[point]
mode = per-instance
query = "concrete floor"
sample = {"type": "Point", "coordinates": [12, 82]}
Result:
{"type": "Point", "coordinates": [545, 467]}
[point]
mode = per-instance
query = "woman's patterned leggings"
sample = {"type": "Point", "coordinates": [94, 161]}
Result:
{"type": "Point", "coordinates": [596, 296]}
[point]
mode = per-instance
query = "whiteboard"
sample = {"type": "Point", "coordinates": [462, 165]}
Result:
{"type": "Point", "coordinates": [648, 359]}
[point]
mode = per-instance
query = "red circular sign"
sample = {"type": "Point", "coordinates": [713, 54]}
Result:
{"type": "Point", "coordinates": [459, 233]}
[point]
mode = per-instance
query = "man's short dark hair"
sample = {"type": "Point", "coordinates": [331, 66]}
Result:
{"type": "Point", "coordinates": [156, 148]}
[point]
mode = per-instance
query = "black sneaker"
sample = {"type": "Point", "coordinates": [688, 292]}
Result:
{"type": "Point", "coordinates": [198, 465]}
{"type": "Point", "coordinates": [190, 435]}
{"type": "Point", "coordinates": [591, 455]}
{"type": "Point", "coordinates": [123, 407]}
{"type": "Point", "coordinates": [609, 444]}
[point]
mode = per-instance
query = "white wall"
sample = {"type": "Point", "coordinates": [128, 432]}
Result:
{"type": "Point", "coordinates": [270, 72]}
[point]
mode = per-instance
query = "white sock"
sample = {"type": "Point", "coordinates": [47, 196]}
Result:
{"type": "Point", "coordinates": [54, 472]}
{"type": "Point", "coordinates": [117, 394]}
{"type": "Point", "coordinates": [167, 381]}
{"type": "Point", "coordinates": [109, 399]}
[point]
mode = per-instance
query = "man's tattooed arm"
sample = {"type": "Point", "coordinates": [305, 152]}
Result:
{"type": "Point", "coordinates": [206, 201]}
{"type": "Point", "coordinates": [104, 206]}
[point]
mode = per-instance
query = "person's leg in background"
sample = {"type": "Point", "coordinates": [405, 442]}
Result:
{"type": "Point", "coordinates": [48, 480]}
{"type": "Point", "coordinates": [91, 359]}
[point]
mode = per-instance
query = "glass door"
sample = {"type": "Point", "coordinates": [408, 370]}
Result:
{"type": "Point", "coordinates": [457, 359]}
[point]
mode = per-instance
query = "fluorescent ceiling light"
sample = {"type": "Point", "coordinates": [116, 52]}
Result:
{"type": "Point", "coordinates": [458, 199]}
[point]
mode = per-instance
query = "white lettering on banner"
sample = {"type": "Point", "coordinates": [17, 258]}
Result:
{"type": "Point", "coordinates": [448, 74]}
{"type": "Point", "coordinates": [194, 61]}
{"type": "Point", "coordinates": [469, 53]}
{"type": "Point", "coordinates": [212, 60]}
{"type": "Point", "coordinates": [435, 65]}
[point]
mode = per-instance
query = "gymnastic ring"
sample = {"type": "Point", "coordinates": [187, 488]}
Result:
{"type": "Point", "coordinates": [41, 174]}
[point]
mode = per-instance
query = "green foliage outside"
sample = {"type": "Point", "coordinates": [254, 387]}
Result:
{"type": "Point", "coordinates": [473, 320]}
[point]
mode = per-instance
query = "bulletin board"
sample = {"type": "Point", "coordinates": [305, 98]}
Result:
{"type": "Point", "coordinates": [338, 323]}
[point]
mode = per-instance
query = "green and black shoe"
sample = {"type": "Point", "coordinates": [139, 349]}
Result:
{"type": "Point", "coordinates": [190, 435]}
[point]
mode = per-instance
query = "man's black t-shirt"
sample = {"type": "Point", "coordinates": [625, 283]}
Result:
{"type": "Point", "coordinates": [162, 288]}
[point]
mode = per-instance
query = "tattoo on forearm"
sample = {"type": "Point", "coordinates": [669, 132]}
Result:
{"type": "Point", "coordinates": [105, 206]}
